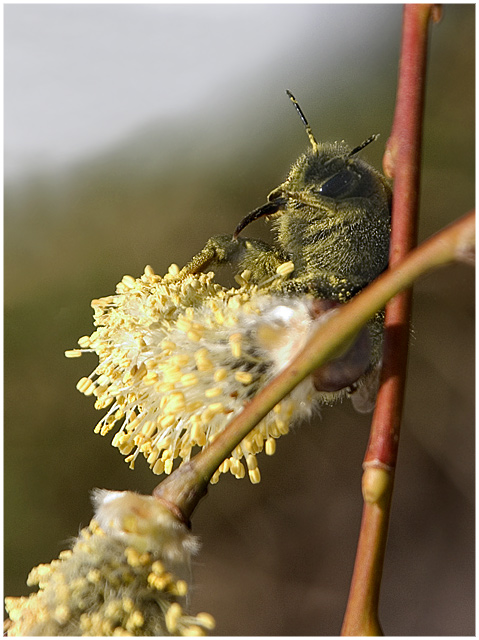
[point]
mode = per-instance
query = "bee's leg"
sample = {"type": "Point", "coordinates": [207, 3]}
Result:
{"type": "Point", "coordinates": [261, 260]}
{"type": "Point", "coordinates": [218, 250]}
{"type": "Point", "coordinates": [258, 257]}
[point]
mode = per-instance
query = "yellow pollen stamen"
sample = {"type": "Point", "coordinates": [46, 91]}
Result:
{"type": "Point", "coordinates": [225, 466]}
{"type": "Point", "coordinates": [206, 620]}
{"type": "Point", "coordinates": [167, 421]}
{"type": "Point", "coordinates": [203, 361]}
{"type": "Point", "coordinates": [244, 377]}
{"type": "Point", "coordinates": [235, 344]}
{"type": "Point", "coordinates": [150, 378]}
{"type": "Point", "coordinates": [128, 281]}
{"type": "Point", "coordinates": [285, 269]}
{"type": "Point", "coordinates": [270, 446]}
{"type": "Point", "coordinates": [158, 567]}
{"type": "Point", "coordinates": [175, 402]}
{"type": "Point", "coordinates": [192, 407]}
{"type": "Point", "coordinates": [213, 392]}
{"type": "Point", "coordinates": [153, 457]}
{"type": "Point", "coordinates": [217, 407]}
{"type": "Point", "coordinates": [220, 375]}
{"type": "Point", "coordinates": [73, 353]}
{"type": "Point", "coordinates": [183, 324]}
{"type": "Point", "coordinates": [189, 379]}
{"type": "Point", "coordinates": [130, 460]}
{"type": "Point", "coordinates": [167, 345]}
{"type": "Point", "coordinates": [198, 435]}
{"type": "Point", "coordinates": [135, 621]}
{"type": "Point", "coordinates": [86, 386]}
{"type": "Point", "coordinates": [158, 467]}
{"type": "Point", "coordinates": [173, 616]}
{"type": "Point", "coordinates": [254, 476]}
{"type": "Point", "coordinates": [180, 360]}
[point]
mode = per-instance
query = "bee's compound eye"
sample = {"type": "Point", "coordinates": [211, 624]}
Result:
{"type": "Point", "coordinates": [342, 184]}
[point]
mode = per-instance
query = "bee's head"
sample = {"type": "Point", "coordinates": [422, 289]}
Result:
{"type": "Point", "coordinates": [328, 171]}
{"type": "Point", "coordinates": [332, 172]}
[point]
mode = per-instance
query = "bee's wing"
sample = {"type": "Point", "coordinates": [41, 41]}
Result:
{"type": "Point", "coordinates": [364, 396]}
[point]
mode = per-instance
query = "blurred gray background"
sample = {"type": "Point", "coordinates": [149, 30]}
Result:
{"type": "Point", "coordinates": [132, 134]}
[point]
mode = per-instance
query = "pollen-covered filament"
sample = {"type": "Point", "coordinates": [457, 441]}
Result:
{"type": "Point", "coordinates": [178, 359]}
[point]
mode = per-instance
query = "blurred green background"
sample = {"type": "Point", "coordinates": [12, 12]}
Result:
{"type": "Point", "coordinates": [277, 557]}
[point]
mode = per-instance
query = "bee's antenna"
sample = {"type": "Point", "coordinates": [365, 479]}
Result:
{"type": "Point", "coordinates": [309, 131]}
{"type": "Point", "coordinates": [363, 144]}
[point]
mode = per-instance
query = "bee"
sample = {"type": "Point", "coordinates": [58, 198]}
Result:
{"type": "Point", "coordinates": [331, 218]}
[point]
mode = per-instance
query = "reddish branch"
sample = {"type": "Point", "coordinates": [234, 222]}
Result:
{"type": "Point", "coordinates": [402, 162]}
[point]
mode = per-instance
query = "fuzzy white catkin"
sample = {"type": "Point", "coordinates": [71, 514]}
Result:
{"type": "Point", "coordinates": [178, 360]}
{"type": "Point", "coordinates": [125, 575]}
